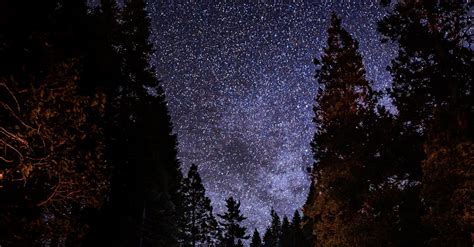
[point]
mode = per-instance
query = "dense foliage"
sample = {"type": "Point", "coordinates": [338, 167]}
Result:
{"type": "Point", "coordinates": [402, 179]}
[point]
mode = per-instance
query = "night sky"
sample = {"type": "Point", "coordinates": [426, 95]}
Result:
{"type": "Point", "coordinates": [239, 82]}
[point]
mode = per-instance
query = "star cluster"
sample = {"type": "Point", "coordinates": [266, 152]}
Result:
{"type": "Point", "coordinates": [238, 77]}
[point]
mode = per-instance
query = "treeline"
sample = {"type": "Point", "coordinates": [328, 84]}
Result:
{"type": "Point", "coordinates": [403, 179]}
{"type": "Point", "coordinates": [281, 233]}
{"type": "Point", "coordinates": [199, 227]}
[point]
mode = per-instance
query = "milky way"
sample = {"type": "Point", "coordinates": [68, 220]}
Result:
{"type": "Point", "coordinates": [239, 83]}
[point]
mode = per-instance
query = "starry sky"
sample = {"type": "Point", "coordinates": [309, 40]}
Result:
{"type": "Point", "coordinates": [238, 77]}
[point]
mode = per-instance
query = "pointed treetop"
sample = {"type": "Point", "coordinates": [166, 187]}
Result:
{"type": "Point", "coordinates": [256, 239]}
{"type": "Point", "coordinates": [231, 222]}
{"type": "Point", "coordinates": [193, 169]}
{"type": "Point", "coordinates": [296, 219]}
{"type": "Point", "coordinates": [285, 222]}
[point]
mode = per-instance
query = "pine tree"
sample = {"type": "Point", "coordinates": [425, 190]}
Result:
{"type": "Point", "coordinates": [297, 236]}
{"type": "Point", "coordinates": [268, 238]}
{"type": "Point", "coordinates": [200, 227]}
{"type": "Point", "coordinates": [432, 90]}
{"type": "Point", "coordinates": [146, 202]}
{"type": "Point", "coordinates": [154, 156]}
{"type": "Point", "coordinates": [256, 240]}
{"type": "Point", "coordinates": [274, 231]}
{"type": "Point", "coordinates": [286, 233]}
{"type": "Point", "coordinates": [342, 110]}
{"type": "Point", "coordinates": [231, 222]}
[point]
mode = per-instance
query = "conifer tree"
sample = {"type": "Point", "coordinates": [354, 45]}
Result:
{"type": "Point", "coordinates": [268, 238]}
{"type": "Point", "coordinates": [273, 233]}
{"type": "Point", "coordinates": [297, 236]}
{"type": "Point", "coordinates": [256, 239]}
{"type": "Point", "coordinates": [200, 226]}
{"type": "Point", "coordinates": [137, 49]}
{"type": "Point", "coordinates": [145, 202]}
{"type": "Point", "coordinates": [342, 110]}
{"type": "Point", "coordinates": [286, 233]}
{"type": "Point", "coordinates": [231, 222]}
{"type": "Point", "coordinates": [432, 90]}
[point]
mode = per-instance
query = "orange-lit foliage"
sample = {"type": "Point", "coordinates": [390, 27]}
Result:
{"type": "Point", "coordinates": [51, 154]}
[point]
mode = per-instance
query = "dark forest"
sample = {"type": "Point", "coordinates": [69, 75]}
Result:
{"type": "Point", "coordinates": [89, 155]}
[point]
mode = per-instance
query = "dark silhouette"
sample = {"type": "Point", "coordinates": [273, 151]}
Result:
{"type": "Point", "coordinates": [256, 239]}
{"type": "Point", "coordinates": [432, 90]}
{"type": "Point", "coordinates": [231, 221]}
{"type": "Point", "coordinates": [199, 227]}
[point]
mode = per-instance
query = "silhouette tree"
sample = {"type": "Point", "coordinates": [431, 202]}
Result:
{"type": "Point", "coordinates": [268, 238]}
{"type": "Point", "coordinates": [256, 239]}
{"type": "Point", "coordinates": [102, 65]}
{"type": "Point", "coordinates": [297, 236]}
{"type": "Point", "coordinates": [273, 233]}
{"type": "Point", "coordinates": [145, 201]}
{"type": "Point", "coordinates": [231, 223]}
{"type": "Point", "coordinates": [286, 233]}
{"type": "Point", "coordinates": [200, 226]}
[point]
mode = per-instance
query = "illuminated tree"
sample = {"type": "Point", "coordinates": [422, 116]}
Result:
{"type": "Point", "coordinates": [343, 111]}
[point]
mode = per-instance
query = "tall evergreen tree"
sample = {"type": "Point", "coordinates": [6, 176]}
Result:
{"type": "Point", "coordinates": [151, 156]}
{"type": "Point", "coordinates": [297, 237]}
{"type": "Point", "coordinates": [273, 233]}
{"type": "Point", "coordinates": [432, 90]}
{"type": "Point", "coordinates": [200, 226]}
{"type": "Point", "coordinates": [145, 202]}
{"type": "Point", "coordinates": [231, 221]}
{"type": "Point", "coordinates": [286, 233]}
{"type": "Point", "coordinates": [137, 49]}
{"type": "Point", "coordinates": [256, 239]}
{"type": "Point", "coordinates": [268, 238]}
{"type": "Point", "coordinates": [342, 111]}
